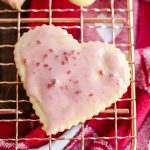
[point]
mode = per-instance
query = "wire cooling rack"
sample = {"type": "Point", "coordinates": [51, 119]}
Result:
{"type": "Point", "coordinates": [117, 112]}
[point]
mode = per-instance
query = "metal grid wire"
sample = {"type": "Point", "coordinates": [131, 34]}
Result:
{"type": "Point", "coordinates": [113, 20]}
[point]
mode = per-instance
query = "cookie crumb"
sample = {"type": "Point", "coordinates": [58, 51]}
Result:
{"type": "Point", "coordinates": [45, 65]}
{"type": "Point", "coordinates": [110, 75]}
{"type": "Point", "coordinates": [91, 94]}
{"type": "Point", "coordinates": [51, 83]}
{"type": "Point", "coordinates": [77, 92]}
{"type": "Point", "coordinates": [45, 55]}
{"type": "Point", "coordinates": [37, 64]}
{"type": "Point", "coordinates": [75, 82]}
{"type": "Point", "coordinates": [38, 42]}
{"type": "Point", "coordinates": [68, 72]}
{"type": "Point", "coordinates": [56, 56]}
{"type": "Point", "coordinates": [50, 50]}
{"type": "Point", "coordinates": [62, 62]}
{"type": "Point", "coordinates": [100, 72]}
{"type": "Point", "coordinates": [25, 61]}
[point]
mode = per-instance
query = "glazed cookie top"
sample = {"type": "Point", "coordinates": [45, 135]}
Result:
{"type": "Point", "coordinates": [71, 81]}
{"type": "Point", "coordinates": [82, 2]}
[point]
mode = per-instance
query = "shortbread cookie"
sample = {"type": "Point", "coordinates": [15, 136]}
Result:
{"type": "Point", "coordinates": [82, 2]}
{"type": "Point", "coordinates": [14, 3]}
{"type": "Point", "coordinates": [69, 82]}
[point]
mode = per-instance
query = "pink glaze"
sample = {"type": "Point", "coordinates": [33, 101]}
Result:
{"type": "Point", "coordinates": [72, 77]}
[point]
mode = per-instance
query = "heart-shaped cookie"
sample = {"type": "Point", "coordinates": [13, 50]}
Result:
{"type": "Point", "coordinates": [16, 4]}
{"type": "Point", "coordinates": [69, 82]}
{"type": "Point", "coordinates": [82, 2]}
